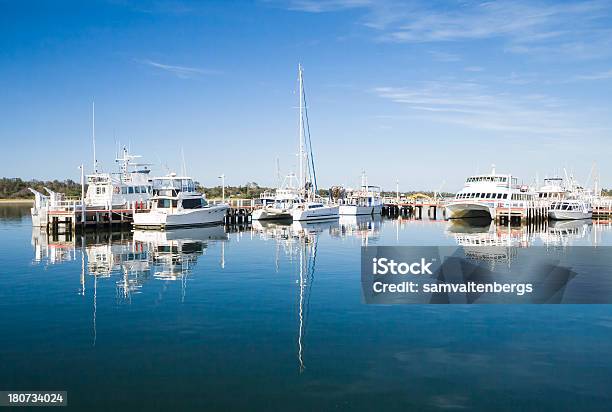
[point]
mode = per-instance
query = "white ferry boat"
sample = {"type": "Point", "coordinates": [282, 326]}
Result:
{"type": "Point", "coordinates": [365, 201]}
{"type": "Point", "coordinates": [570, 209]}
{"type": "Point", "coordinates": [175, 203]}
{"type": "Point", "coordinates": [483, 195]}
{"type": "Point", "coordinates": [313, 207]}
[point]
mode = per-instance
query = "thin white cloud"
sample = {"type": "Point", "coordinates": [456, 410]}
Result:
{"type": "Point", "coordinates": [182, 72]}
{"type": "Point", "coordinates": [474, 69]}
{"type": "Point", "coordinates": [474, 106]}
{"type": "Point", "coordinates": [579, 29]}
{"type": "Point", "coordinates": [318, 6]}
{"type": "Point", "coordinates": [606, 75]}
{"type": "Point", "coordinates": [444, 57]}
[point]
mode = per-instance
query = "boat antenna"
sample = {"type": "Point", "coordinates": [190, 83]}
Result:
{"type": "Point", "coordinates": [93, 135]}
{"type": "Point", "coordinates": [278, 173]}
{"type": "Point", "coordinates": [184, 168]}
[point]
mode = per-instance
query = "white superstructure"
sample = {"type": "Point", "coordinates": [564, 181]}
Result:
{"type": "Point", "coordinates": [176, 202]}
{"type": "Point", "coordinates": [116, 190]}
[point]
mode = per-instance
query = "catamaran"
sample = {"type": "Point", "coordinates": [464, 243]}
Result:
{"type": "Point", "coordinates": [483, 194]}
{"type": "Point", "coordinates": [365, 201]}
{"type": "Point", "coordinates": [311, 206]}
{"type": "Point", "coordinates": [175, 203]}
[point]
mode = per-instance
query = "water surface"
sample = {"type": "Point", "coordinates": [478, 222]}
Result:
{"type": "Point", "coordinates": [272, 317]}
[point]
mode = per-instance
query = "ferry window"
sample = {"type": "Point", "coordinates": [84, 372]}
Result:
{"type": "Point", "coordinates": [124, 190]}
{"type": "Point", "coordinates": [504, 179]}
{"type": "Point", "coordinates": [130, 189]}
{"type": "Point", "coordinates": [137, 189]}
{"type": "Point", "coordinates": [174, 203]}
{"type": "Point", "coordinates": [505, 196]}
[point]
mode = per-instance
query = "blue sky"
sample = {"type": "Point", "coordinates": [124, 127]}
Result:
{"type": "Point", "coordinates": [424, 92]}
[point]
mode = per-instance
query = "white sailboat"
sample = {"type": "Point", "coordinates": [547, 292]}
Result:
{"type": "Point", "coordinates": [312, 206]}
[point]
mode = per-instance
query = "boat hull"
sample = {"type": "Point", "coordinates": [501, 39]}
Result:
{"type": "Point", "coordinates": [269, 213]}
{"type": "Point", "coordinates": [353, 210]}
{"type": "Point", "coordinates": [320, 213]}
{"type": "Point", "coordinates": [192, 217]}
{"type": "Point", "coordinates": [469, 210]}
{"type": "Point", "coordinates": [569, 215]}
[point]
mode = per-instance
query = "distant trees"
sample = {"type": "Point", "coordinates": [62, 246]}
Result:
{"type": "Point", "coordinates": [16, 188]}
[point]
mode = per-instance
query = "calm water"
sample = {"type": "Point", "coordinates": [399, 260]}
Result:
{"type": "Point", "coordinates": [271, 318]}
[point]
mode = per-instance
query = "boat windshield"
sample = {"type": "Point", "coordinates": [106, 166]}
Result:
{"type": "Point", "coordinates": [181, 185]}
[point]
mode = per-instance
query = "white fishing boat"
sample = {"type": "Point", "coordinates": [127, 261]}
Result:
{"type": "Point", "coordinates": [129, 188]}
{"type": "Point", "coordinates": [280, 204]}
{"type": "Point", "coordinates": [570, 209]}
{"type": "Point", "coordinates": [482, 195]}
{"type": "Point", "coordinates": [175, 203]}
{"type": "Point", "coordinates": [365, 201]}
{"type": "Point", "coordinates": [313, 207]}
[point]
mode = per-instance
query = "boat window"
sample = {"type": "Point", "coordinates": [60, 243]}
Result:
{"type": "Point", "coordinates": [505, 196]}
{"type": "Point", "coordinates": [163, 203]}
{"type": "Point", "coordinates": [316, 206]}
{"type": "Point", "coordinates": [124, 190]}
{"type": "Point", "coordinates": [488, 196]}
{"type": "Point", "coordinates": [130, 189]}
{"type": "Point", "coordinates": [137, 189]}
{"type": "Point", "coordinates": [193, 203]}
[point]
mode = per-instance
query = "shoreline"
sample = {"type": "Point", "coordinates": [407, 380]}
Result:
{"type": "Point", "coordinates": [15, 201]}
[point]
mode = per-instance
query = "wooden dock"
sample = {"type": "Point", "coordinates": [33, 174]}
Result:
{"type": "Point", "coordinates": [69, 215]}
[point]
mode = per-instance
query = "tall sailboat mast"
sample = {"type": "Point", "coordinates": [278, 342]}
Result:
{"type": "Point", "coordinates": [302, 143]}
{"type": "Point", "coordinates": [93, 135]}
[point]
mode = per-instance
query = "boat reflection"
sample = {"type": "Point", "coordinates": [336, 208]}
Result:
{"type": "Point", "coordinates": [366, 228]}
{"type": "Point", "coordinates": [299, 241]}
{"type": "Point", "coordinates": [132, 258]}
{"type": "Point", "coordinates": [486, 240]}
{"type": "Point", "coordinates": [565, 232]}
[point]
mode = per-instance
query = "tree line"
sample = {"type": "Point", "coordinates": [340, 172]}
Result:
{"type": "Point", "coordinates": [16, 188]}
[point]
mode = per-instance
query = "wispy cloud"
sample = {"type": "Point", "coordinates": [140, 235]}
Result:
{"type": "Point", "coordinates": [474, 106]}
{"type": "Point", "coordinates": [606, 75]}
{"type": "Point", "coordinates": [579, 28]}
{"type": "Point", "coordinates": [318, 6]}
{"type": "Point", "coordinates": [444, 57]}
{"type": "Point", "coordinates": [182, 72]}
